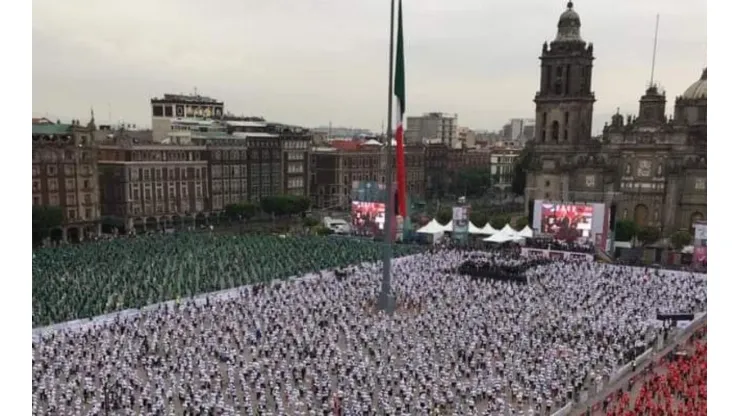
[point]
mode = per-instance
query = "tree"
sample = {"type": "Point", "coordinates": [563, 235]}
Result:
{"type": "Point", "coordinates": [522, 222]}
{"type": "Point", "coordinates": [625, 230]}
{"type": "Point", "coordinates": [310, 222]}
{"type": "Point", "coordinates": [519, 182]}
{"type": "Point", "coordinates": [680, 239]}
{"type": "Point", "coordinates": [478, 218]}
{"type": "Point", "coordinates": [281, 205]}
{"type": "Point", "coordinates": [45, 219]}
{"type": "Point", "coordinates": [499, 221]}
{"type": "Point", "coordinates": [444, 215]}
{"type": "Point", "coordinates": [240, 211]}
{"type": "Point", "coordinates": [472, 182]}
{"type": "Point", "coordinates": [648, 235]}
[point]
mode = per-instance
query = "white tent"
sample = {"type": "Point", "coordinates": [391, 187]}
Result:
{"type": "Point", "coordinates": [432, 228]}
{"type": "Point", "coordinates": [489, 229]}
{"type": "Point", "coordinates": [499, 238]}
{"type": "Point", "coordinates": [472, 229]}
{"type": "Point", "coordinates": [526, 232]}
{"type": "Point", "coordinates": [448, 227]}
{"type": "Point", "coordinates": [508, 231]}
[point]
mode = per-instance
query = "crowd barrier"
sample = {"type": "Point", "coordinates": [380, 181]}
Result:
{"type": "Point", "coordinates": [556, 254]}
{"type": "Point", "coordinates": [617, 378]}
{"type": "Point", "coordinates": [564, 410]}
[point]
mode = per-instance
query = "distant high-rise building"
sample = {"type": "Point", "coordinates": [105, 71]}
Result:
{"type": "Point", "coordinates": [431, 127]}
{"type": "Point", "coordinates": [519, 130]}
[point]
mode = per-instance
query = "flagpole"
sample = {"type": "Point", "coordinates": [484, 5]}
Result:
{"type": "Point", "coordinates": [385, 299]}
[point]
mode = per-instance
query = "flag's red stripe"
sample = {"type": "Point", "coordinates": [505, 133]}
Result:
{"type": "Point", "coordinates": [401, 170]}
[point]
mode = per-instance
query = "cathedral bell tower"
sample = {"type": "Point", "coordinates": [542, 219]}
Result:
{"type": "Point", "coordinates": [564, 103]}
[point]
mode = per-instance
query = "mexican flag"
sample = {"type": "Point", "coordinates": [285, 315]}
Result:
{"type": "Point", "coordinates": [399, 90]}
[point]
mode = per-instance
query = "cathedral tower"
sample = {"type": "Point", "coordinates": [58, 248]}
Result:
{"type": "Point", "coordinates": [564, 103]}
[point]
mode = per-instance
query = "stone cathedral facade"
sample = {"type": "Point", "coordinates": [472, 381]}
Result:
{"type": "Point", "coordinates": [648, 168]}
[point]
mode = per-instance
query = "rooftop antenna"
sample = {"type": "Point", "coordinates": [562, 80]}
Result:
{"type": "Point", "coordinates": [655, 48]}
{"type": "Point", "coordinates": [195, 89]}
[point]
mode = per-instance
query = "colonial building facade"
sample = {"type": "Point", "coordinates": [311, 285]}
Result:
{"type": "Point", "coordinates": [338, 168]}
{"type": "Point", "coordinates": [648, 168]}
{"type": "Point", "coordinates": [152, 185]}
{"type": "Point", "coordinates": [65, 175]}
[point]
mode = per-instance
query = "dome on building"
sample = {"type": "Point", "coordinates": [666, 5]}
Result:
{"type": "Point", "coordinates": [569, 25]}
{"type": "Point", "coordinates": [697, 90]}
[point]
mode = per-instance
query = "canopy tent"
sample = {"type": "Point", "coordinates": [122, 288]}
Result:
{"type": "Point", "coordinates": [500, 238]}
{"type": "Point", "coordinates": [433, 227]}
{"type": "Point", "coordinates": [526, 232]}
{"type": "Point", "coordinates": [489, 229]}
{"type": "Point", "coordinates": [508, 231]}
{"type": "Point", "coordinates": [472, 229]}
{"type": "Point", "coordinates": [448, 227]}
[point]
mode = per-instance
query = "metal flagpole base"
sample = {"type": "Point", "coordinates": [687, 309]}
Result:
{"type": "Point", "coordinates": [387, 303]}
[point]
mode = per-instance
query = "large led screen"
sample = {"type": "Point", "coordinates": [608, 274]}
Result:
{"type": "Point", "coordinates": [368, 217]}
{"type": "Point", "coordinates": [567, 221]}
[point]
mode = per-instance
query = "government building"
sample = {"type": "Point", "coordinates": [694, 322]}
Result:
{"type": "Point", "coordinates": [647, 168]}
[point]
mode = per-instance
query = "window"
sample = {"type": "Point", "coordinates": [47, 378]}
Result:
{"type": "Point", "coordinates": [146, 174]}
{"type": "Point", "coordinates": [170, 174]}
{"type": "Point", "coordinates": [69, 184]}
{"type": "Point", "coordinates": [85, 155]}
{"type": "Point", "coordinates": [135, 192]}
{"type": "Point", "coordinates": [89, 213]}
{"type": "Point", "coordinates": [51, 170]}
{"type": "Point", "coordinates": [52, 184]}
{"type": "Point", "coordinates": [35, 170]}
{"type": "Point", "coordinates": [54, 199]}
{"type": "Point", "coordinates": [147, 193]}
{"type": "Point", "coordinates": [183, 190]}
{"type": "Point", "coordinates": [171, 190]}
{"type": "Point", "coordinates": [69, 170]}
{"type": "Point", "coordinates": [36, 186]}
{"type": "Point", "coordinates": [36, 200]}
{"type": "Point", "coordinates": [71, 214]}
{"type": "Point", "coordinates": [71, 198]}
{"type": "Point", "coordinates": [160, 192]}
{"type": "Point", "coordinates": [134, 172]}
{"type": "Point", "coordinates": [158, 174]}
{"type": "Point", "coordinates": [86, 184]}
{"type": "Point", "coordinates": [183, 173]}
{"type": "Point", "coordinates": [88, 199]}
{"type": "Point", "coordinates": [158, 111]}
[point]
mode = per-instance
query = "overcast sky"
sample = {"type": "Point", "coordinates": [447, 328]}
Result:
{"type": "Point", "coordinates": [310, 62]}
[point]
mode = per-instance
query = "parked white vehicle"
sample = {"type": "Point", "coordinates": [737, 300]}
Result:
{"type": "Point", "coordinates": [338, 226]}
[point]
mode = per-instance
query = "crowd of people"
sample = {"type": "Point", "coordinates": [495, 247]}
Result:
{"type": "Point", "coordinates": [677, 387]}
{"type": "Point", "coordinates": [507, 267]}
{"type": "Point", "coordinates": [82, 281]}
{"type": "Point", "coordinates": [553, 244]}
{"type": "Point", "coordinates": [455, 345]}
